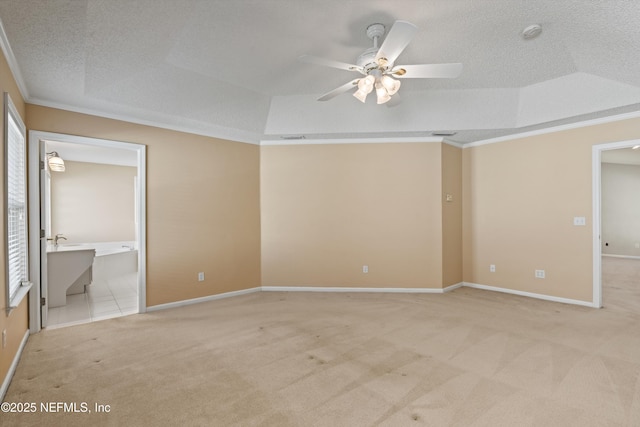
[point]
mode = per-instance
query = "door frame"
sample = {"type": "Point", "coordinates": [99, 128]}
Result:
{"type": "Point", "coordinates": [33, 179]}
{"type": "Point", "coordinates": [596, 151]}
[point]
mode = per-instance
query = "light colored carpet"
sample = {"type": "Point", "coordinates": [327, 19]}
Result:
{"type": "Point", "coordinates": [466, 358]}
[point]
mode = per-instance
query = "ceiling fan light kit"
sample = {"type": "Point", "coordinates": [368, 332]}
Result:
{"type": "Point", "coordinates": [383, 95]}
{"type": "Point", "coordinates": [392, 85]}
{"type": "Point", "coordinates": [377, 65]}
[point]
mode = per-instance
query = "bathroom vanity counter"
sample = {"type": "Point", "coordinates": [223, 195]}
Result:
{"type": "Point", "coordinates": [69, 270]}
{"type": "Point", "coordinates": [67, 248]}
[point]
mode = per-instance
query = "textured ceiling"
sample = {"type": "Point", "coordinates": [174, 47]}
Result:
{"type": "Point", "coordinates": [229, 68]}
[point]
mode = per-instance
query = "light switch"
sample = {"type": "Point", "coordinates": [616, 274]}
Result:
{"type": "Point", "coordinates": [579, 220]}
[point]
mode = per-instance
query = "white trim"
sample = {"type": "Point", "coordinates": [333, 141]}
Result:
{"type": "Point", "coordinates": [617, 145]}
{"type": "Point", "coordinates": [372, 140]}
{"type": "Point", "coordinates": [596, 232]}
{"type": "Point", "coordinates": [12, 368]}
{"type": "Point", "coordinates": [248, 137]}
{"type": "Point", "coordinates": [13, 64]}
{"type": "Point", "coordinates": [75, 139]}
{"type": "Point", "coordinates": [338, 289]}
{"type": "Point", "coordinates": [201, 299]}
{"type": "Point", "coordinates": [238, 135]}
{"type": "Point", "coordinates": [559, 128]}
{"type": "Point", "coordinates": [453, 143]}
{"type": "Point", "coordinates": [33, 184]}
{"type": "Point", "coordinates": [453, 287]}
{"type": "Point", "coordinates": [11, 112]}
{"type": "Point", "coordinates": [141, 228]}
{"type": "Point", "coordinates": [301, 289]}
{"type": "Point", "coordinates": [622, 256]}
{"type": "Point", "coordinates": [22, 292]}
{"type": "Point", "coordinates": [530, 295]}
{"type": "Point", "coordinates": [350, 289]}
{"type": "Point", "coordinates": [510, 137]}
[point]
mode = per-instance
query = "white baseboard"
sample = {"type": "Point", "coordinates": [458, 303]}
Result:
{"type": "Point", "coordinates": [530, 294]}
{"type": "Point", "coordinates": [303, 289]}
{"type": "Point", "coordinates": [453, 287]}
{"type": "Point", "coordinates": [345, 289]}
{"type": "Point", "coordinates": [201, 299]}
{"type": "Point", "coordinates": [370, 290]}
{"type": "Point", "coordinates": [12, 368]}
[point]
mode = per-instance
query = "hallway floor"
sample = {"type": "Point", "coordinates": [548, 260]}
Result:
{"type": "Point", "coordinates": [104, 299]}
{"type": "Point", "coordinates": [621, 283]}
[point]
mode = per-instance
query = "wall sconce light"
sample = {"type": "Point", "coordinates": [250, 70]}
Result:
{"type": "Point", "coordinates": [56, 163]}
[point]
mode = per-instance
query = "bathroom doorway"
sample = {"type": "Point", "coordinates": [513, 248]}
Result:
{"type": "Point", "coordinates": [620, 227]}
{"type": "Point", "coordinates": [87, 229]}
{"type": "Point", "coordinates": [615, 166]}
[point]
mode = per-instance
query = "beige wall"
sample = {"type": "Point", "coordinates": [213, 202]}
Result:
{"type": "Point", "coordinates": [451, 215]}
{"type": "Point", "coordinates": [93, 202]}
{"type": "Point", "coordinates": [16, 323]}
{"type": "Point", "coordinates": [520, 197]}
{"type": "Point", "coordinates": [203, 210]}
{"type": "Point", "coordinates": [327, 210]}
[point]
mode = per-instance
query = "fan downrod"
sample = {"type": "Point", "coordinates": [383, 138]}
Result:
{"type": "Point", "coordinates": [367, 60]}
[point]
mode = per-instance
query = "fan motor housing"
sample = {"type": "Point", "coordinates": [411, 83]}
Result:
{"type": "Point", "coordinates": [367, 60]}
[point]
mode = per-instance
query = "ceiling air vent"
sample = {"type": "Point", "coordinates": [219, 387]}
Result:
{"type": "Point", "coordinates": [443, 133]}
{"type": "Point", "coordinates": [292, 137]}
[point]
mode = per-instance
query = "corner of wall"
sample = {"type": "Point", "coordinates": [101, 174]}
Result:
{"type": "Point", "coordinates": [452, 220]}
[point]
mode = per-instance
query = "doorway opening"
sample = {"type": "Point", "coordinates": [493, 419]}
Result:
{"type": "Point", "coordinates": [616, 230]}
{"type": "Point", "coordinates": [87, 229]}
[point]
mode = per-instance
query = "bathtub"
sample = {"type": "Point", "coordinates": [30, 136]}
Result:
{"type": "Point", "coordinates": [112, 259]}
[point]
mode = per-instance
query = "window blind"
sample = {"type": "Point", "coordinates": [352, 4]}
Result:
{"type": "Point", "coordinates": [16, 203]}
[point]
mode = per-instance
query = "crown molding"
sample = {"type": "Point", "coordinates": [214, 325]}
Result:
{"type": "Point", "coordinates": [13, 64]}
{"type": "Point", "coordinates": [370, 140]}
{"type": "Point", "coordinates": [235, 135]}
{"type": "Point", "coordinates": [554, 129]}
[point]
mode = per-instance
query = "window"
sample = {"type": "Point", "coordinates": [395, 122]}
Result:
{"type": "Point", "coordinates": [15, 214]}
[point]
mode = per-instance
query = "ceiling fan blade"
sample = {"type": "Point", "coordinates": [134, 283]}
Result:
{"type": "Point", "coordinates": [397, 39]}
{"type": "Point", "coordinates": [338, 91]}
{"type": "Point", "coordinates": [427, 71]}
{"type": "Point", "coordinates": [309, 59]}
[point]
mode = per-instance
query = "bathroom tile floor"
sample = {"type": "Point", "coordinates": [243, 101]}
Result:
{"type": "Point", "coordinates": [104, 299]}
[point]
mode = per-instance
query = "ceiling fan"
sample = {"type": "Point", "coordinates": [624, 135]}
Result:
{"type": "Point", "coordinates": [377, 65]}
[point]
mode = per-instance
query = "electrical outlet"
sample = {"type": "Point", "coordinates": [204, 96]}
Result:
{"type": "Point", "coordinates": [4, 338]}
{"type": "Point", "coordinates": [492, 268]}
{"type": "Point", "coordinates": [365, 268]}
{"type": "Point", "coordinates": [539, 274]}
{"type": "Point", "coordinates": [579, 220]}
{"type": "Point", "coordinates": [201, 276]}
